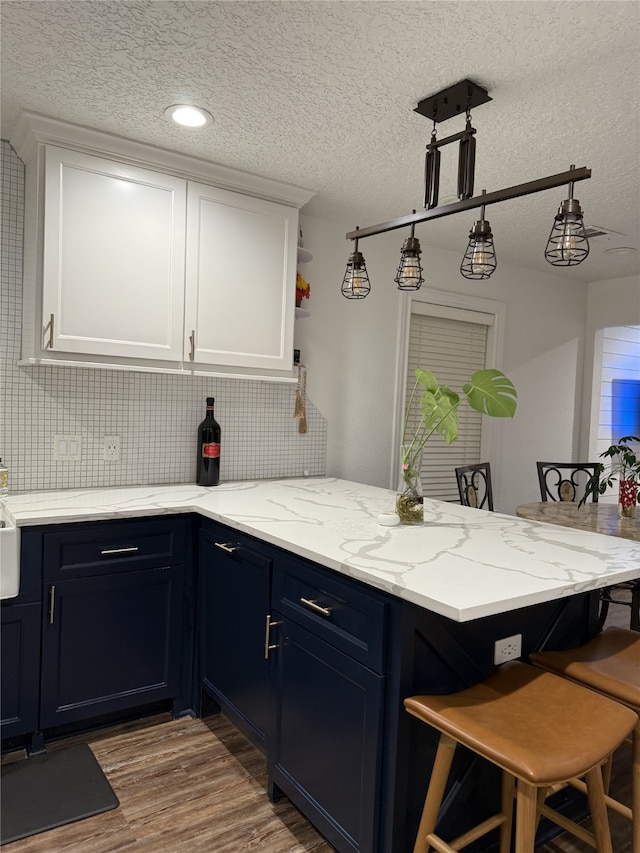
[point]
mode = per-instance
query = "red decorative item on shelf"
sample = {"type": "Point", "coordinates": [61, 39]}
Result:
{"type": "Point", "coordinates": [303, 289]}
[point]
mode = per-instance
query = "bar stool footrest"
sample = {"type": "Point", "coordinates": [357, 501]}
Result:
{"type": "Point", "coordinates": [567, 824]}
{"type": "Point", "coordinates": [471, 835]}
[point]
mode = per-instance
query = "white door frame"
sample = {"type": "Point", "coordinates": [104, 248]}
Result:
{"type": "Point", "coordinates": [453, 305]}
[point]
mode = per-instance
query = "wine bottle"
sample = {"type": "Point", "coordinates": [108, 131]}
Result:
{"type": "Point", "coordinates": [208, 468]}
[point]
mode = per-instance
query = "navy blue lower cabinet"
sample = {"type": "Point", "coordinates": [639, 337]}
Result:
{"type": "Point", "coordinates": [20, 669]}
{"type": "Point", "coordinates": [233, 610]}
{"type": "Point", "coordinates": [20, 644]}
{"type": "Point", "coordinates": [327, 745]}
{"type": "Point", "coordinates": [110, 642]}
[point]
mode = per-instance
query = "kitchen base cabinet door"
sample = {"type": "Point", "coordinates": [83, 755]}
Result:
{"type": "Point", "coordinates": [20, 646]}
{"type": "Point", "coordinates": [327, 739]}
{"type": "Point", "coordinates": [110, 643]}
{"type": "Point", "coordinates": [234, 588]}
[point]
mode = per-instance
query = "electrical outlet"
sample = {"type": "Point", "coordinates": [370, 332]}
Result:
{"type": "Point", "coordinates": [508, 648]}
{"type": "Point", "coordinates": [111, 448]}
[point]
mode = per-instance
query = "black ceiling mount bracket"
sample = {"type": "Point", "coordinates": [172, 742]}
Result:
{"type": "Point", "coordinates": [452, 101]}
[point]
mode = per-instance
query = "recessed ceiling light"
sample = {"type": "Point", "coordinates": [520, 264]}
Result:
{"type": "Point", "coordinates": [188, 116]}
{"type": "Point", "coordinates": [620, 250]}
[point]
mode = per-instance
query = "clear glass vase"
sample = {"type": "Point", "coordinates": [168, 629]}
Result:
{"type": "Point", "coordinates": [627, 497]}
{"type": "Point", "coordinates": [409, 497]}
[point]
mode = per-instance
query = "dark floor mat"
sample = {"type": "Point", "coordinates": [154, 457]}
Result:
{"type": "Point", "coordinates": [45, 791]}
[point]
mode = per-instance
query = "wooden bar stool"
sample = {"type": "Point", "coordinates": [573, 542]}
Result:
{"type": "Point", "coordinates": [610, 664]}
{"type": "Point", "coordinates": [541, 730]}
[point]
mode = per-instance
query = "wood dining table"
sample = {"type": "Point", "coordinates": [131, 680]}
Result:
{"type": "Point", "coordinates": [594, 517]}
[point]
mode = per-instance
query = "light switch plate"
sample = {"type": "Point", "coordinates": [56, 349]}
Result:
{"type": "Point", "coordinates": [67, 448]}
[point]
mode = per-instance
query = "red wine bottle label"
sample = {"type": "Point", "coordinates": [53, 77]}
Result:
{"type": "Point", "coordinates": [211, 450]}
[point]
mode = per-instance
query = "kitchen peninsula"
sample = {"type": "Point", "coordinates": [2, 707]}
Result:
{"type": "Point", "coordinates": [333, 618]}
{"type": "Point", "coordinates": [462, 563]}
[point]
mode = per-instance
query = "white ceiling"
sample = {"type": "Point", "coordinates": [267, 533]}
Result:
{"type": "Point", "coordinates": [321, 95]}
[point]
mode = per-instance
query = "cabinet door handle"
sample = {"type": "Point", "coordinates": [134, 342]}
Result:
{"type": "Point", "coordinates": [230, 549]}
{"type": "Point", "coordinates": [267, 646]}
{"type": "Point", "coordinates": [131, 549]}
{"type": "Point", "coordinates": [49, 325]}
{"type": "Point", "coordinates": [52, 604]}
{"type": "Point", "coordinates": [324, 611]}
{"type": "Point", "coordinates": [192, 341]}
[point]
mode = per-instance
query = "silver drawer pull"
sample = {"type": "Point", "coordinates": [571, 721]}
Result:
{"type": "Point", "coordinates": [268, 646]}
{"type": "Point", "coordinates": [315, 607]}
{"type": "Point", "coordinates": [130, 550]}
{"type": "Point", "coordinates": [230, 549]}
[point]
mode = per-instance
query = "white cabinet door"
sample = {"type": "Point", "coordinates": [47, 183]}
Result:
{"type": "Point", "coordinates": [240, 280]}
{"type": "Point", "coordinates": [113, 271]}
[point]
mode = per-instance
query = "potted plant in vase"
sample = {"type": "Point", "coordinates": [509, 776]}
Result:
{"type": "Point", "coordinates": [625, 467]}
{"type": "Point", "coordinates": [489, 392]}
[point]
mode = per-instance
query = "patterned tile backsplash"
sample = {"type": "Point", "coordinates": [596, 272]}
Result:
{"type": "Point", "coordinates": [155, 415]}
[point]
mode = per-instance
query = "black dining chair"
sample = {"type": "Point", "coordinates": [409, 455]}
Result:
{"type": "Point", "coordinates": [474, 485]}
{"type": "Point", "coordinates": [564, 481]}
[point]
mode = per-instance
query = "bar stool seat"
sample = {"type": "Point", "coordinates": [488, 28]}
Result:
{"type": "Point", "coordinates": [610, 664]}
{"type": "Point", "coordinates": [539, 729]}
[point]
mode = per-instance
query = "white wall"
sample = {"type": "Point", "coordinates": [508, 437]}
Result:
{"type": "Point", "coordinates": [349, 347]}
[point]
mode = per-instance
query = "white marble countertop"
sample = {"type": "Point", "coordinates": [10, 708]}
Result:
{"type": "Point", "coordinates": [462, 563]}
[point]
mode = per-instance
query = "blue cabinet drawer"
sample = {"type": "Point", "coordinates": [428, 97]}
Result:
{"type": "Point", "coordinates": [349, 617]}
{"type": "Point", "coordinates": [95, 548]}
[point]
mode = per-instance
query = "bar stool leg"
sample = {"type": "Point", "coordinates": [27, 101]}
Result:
{"type": "Point", "coordinates": [526, 817]}
{"type": "Point", "coordinates": [435, 792]}
{"type": "Point", "coordinates": [508, 792]}
{"type": "Point", "coordinates": [598, 809]}
{"type": "Point", "coordinates": [635, 788]}
{"type": "Point", "coordinates": [607, 769]}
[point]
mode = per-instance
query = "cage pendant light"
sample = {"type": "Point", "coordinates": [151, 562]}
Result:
{"type": "Point", "coordinates": [479, 260]}
{"type": "Point", "coordinates": [356, 284]}
{"type": "Point", "coordinates": [409, 274]}
{"type": "Point", "coordinates": [567, 245]}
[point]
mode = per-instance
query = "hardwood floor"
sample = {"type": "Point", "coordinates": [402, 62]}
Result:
{"type": "Point", "coordinates": [185, 786]}
{"type": "Point", "coordinates": [198, 786]}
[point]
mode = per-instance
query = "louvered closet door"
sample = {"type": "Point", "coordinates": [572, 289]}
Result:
{"type": "Point", "coordinates": [453, 350]}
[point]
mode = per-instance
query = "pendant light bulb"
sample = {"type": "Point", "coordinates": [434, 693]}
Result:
{"type": "Point", "coordinates": [567, 245]}
{"type": "Point", "coordinates": [409, 275]}
{"type": "Point", "coordinates": [356, 284]}
{"type": "Point", "coordinates": [479, 260]}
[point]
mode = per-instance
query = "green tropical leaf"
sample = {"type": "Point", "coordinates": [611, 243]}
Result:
{"type": "Point", "coordinates": [427, 380]}
{"type": "Point", "coordinates": [440, 412]}
{"type": "Point", "coordinates": [490, 392]}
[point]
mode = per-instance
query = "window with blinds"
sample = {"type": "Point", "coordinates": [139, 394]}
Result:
{"type": "Point", "coordinates": [452, 349]}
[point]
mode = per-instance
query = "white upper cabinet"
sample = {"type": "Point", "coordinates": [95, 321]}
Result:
{"type": "Point", "coordinates": [240, 281]}
{"type": "Point", "coordinates": [144, 259]}
{"type": "Point", "coordinates": [113, 259]}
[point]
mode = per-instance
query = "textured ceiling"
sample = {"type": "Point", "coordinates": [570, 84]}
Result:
{"type": "Point", "coordinates": [321, 95]}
